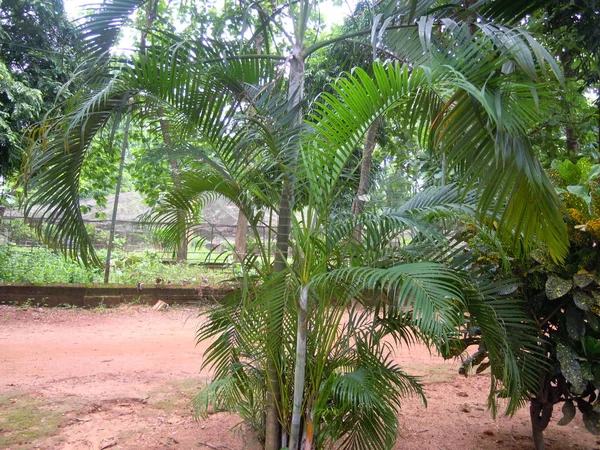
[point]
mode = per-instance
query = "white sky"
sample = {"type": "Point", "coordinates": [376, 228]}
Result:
{"type": "Point", "coordinates": [332, 14]}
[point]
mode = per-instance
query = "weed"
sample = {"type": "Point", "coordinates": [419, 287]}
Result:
{"type": "Point", "coordinates": [23, 419]}
{"type": "Point", "coordinates": [67, 306]}
{"type": "Point", "coordinates": [101, 308]}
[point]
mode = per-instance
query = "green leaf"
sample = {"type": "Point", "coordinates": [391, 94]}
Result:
{"type": "Point", "coordinates": [583, 301]}
{"type": "Point", "coordinates": [592, 321]}
{"type": "Point", "coordinates": [575, 323]}
{"type": "Point", "coordinates": [557, 287]}
{"type": "Point", "coordinates": [586, 369]}
{"type": "Point", "coordinates": [570, 367]}
{"type": "Point", "coordinates": [568, 411]}
{"type": "Point", "coordinates": [596, 374]}
{"type": "Point", "coordinates": [591, 420]}
{"type": "Point", "coordinates": [482, 367]}
{"type": "Point", "coordinates": [583, 278]}
{"type": "Point", "coordinates": [453, 348]}
{"type": "Point", "coordinates": [580, 191]}
{"type": "Point", "coordinates": [594, 171]}
{"type": "Point", "coordinates": [591, 346]}
{"type": "Point", "coordinates": [596, 295]}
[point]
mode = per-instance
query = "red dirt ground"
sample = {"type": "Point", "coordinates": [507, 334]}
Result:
{"type": "Point", "coordinates": [122, 378]}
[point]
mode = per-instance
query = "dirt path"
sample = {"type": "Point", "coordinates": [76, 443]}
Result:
{"type": "Point", "coordinates": [123, 379]}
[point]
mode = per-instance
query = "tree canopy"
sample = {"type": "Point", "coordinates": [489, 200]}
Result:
{"type": "Point", "coordinates": [38, 53]}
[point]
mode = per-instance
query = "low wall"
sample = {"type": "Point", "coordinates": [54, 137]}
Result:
{"type": "Point", "coordinates": [92, 295]}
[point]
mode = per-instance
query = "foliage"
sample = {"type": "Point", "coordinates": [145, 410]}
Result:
{"type": "Point", "coordinates": [38, 54]}
{"type": "Point", "coordinates": [573, 27]}
{"type": "Point", "coordinates": [17, 231]}
{"type": "Point", "coordinates": [40, 265]}
{"type": "Point", "coordinates": [563, 303]}
{"type": "Point", "coordinates": [283, 343]}
{"type": "Point", "coordinates": [570, 32]}
{"type": "Point", "coordinates": [19, 105]}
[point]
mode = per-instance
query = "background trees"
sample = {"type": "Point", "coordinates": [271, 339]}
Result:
{"type": "Point", "coordinates": [39, 53]}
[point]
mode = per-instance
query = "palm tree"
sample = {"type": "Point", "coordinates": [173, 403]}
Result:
{"type": "Point", "coordinates": [473, 101]}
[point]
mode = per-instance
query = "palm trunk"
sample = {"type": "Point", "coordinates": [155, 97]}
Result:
{"type": "Point", "coordinates": [444, 169]}
{"type": "Point", "coordinates": [241, 237]}
{"type": "Point", "coordinates": [365, 168]}
{"type": "Point", "coordinates": [182, 246]}
{"type": "Point", "coordinates": [273, 398]}
{"type": "Point", "coordinates": [113, 221]}
{"type": "Point", "coordinates": [300, 369]}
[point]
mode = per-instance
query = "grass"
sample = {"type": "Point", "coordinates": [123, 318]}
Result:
{"type": "Point", "coordinates": [432, 373]}
{"type": "Point", "coordinates": [176, 396]}
{"type": "Point", "coordinates": [24, 419]}
{"type": "Point", "coordinates": [43, 266]}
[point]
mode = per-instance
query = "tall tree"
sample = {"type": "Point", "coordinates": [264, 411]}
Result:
{"type": "Point", "coordinates": [39, 48]}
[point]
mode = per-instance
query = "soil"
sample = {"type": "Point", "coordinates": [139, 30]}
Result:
{"type": "Point", "coordinates": [123, 378]}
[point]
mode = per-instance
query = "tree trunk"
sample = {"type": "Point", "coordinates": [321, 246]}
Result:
{"type": "Point", "coordinates": [359, 201]}
{"type": "Point", "coordinates": [572, 144]}
{"type": "Point", "coordinates": [151, 13]}
{"type": "Point", "coordinates": [540, 415]}
{"type": "Point", "coordinates": [570, 74]}
{"type": "Point", "coordinates": [540, 410]}
{"type": "Point", "coordinates": [182, 245]}
{"type": "Point", "coordinates": [113, 221]}
{"type": "Point", "coordinates": [241, 237]}
{"type": "Point", "coordinates": [295, 97]}
{"type": "Point", "coordinates": [300, 369]}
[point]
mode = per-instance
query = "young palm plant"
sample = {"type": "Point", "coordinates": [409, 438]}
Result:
{"type": "Point", "coordinates": [305, 317]}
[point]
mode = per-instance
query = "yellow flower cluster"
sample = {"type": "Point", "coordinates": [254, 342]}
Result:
{"type": "Point", "coordinates": [593, 227]}
{"type": "Point", "coordinates": [576, 215]}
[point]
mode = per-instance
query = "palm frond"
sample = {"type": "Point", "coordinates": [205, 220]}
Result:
{"type": "Point", "coordinates": [101, 28]}
{"type": "Point", "coordinates": [510, 339]}
{"type": "Point", "coordinates": [431, 291]}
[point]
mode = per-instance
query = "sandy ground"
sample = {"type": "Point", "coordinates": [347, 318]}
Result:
{"type": "Point", "coordinates": [122, 379]}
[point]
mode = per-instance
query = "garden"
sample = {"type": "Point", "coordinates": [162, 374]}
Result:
{"type": "Point", "coordinates": [416, 193]}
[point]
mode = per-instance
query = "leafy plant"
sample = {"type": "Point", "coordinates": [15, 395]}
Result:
{"type": "Point", "coordinates": [562, 301]}
{"type": "Point", "coordinates": [18, 231]}
{"type": "Point", "coordinates": [40, 265]}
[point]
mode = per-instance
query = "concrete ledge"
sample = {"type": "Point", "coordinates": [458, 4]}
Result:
{"type": "Point", "coordinates": [91, 294]}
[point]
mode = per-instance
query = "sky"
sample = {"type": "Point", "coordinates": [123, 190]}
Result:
{"type": "Point", "coordinates": [332, 14]}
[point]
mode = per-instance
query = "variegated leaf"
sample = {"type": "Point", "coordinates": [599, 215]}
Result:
{"type": "Point", "coordinates": [570, 367]}
{"type": "Point", "coordinates": [557, 287]}
{"type": "Point", "coordinates": [583, 278]}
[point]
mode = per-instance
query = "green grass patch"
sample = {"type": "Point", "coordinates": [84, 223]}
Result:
{"type": "Point", "coordinates": [24, 419]}
{"type": "Point", "coordinates": [176, 396]}
{"type": "Point", "coordinates": [41, 265]}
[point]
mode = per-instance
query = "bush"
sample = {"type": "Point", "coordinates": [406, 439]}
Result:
{"type": "Point", "coordinates": [17, 231]}
{"type": "Point", "coordinates": [41, 265]}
